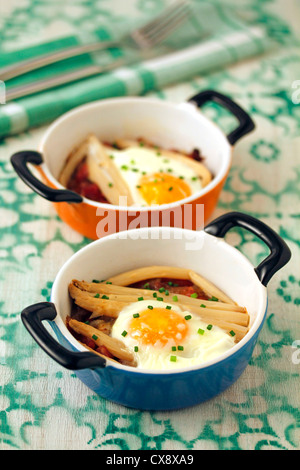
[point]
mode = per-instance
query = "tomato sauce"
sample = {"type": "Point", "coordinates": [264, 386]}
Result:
{"type": "Point", "coordinates": [175, 286]}
{"type": "Point", "coordinates": [80, 183]}
{"type": "Point", "coordinates": [82, 313]}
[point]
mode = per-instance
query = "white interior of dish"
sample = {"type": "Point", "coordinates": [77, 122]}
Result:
{"type": "Point", "coordinates": [211, 257]}
{"type": "Point", "coordinates": [182, 127]}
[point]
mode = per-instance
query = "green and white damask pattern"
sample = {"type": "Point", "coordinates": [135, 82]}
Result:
{"type": "Point", "coordinates": [261, 410]}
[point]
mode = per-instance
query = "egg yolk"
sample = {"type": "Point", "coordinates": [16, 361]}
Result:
{"type": "Point", "coordinates": [158, 327]}
{"type": "Point", "coordinates": [161, 188]}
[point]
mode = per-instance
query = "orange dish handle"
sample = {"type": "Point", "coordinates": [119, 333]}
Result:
{"type": "Point", "coordinates": [246, 124]}
{"type": "Point", "coordinates": [20, 161]}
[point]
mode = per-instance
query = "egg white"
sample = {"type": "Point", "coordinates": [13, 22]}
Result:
{"type": "Point", "coordinates": [198, 348]}
{"type": "Point", "coordinates": [134, 161]}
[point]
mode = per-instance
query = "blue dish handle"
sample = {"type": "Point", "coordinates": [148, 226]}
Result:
{"type": "Point", "coordinates": [280, 252]}
{"type": "Point", "coordinates": [246, 124]}
{"type": "Point", "coordinates": [33, 317]}
{"type": "Point", "coordinates": [20, 161]}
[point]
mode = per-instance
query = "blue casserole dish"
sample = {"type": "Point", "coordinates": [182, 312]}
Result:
{"type": "Point", "coordinates": [203, 251]}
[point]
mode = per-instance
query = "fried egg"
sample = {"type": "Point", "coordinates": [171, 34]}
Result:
{"type": "Point", "coordinates": [163, 336]}
{"type": "Point", "coordinates": [153, 178]}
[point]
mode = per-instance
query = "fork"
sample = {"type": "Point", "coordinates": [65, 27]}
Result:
{"type": "Point", "coordinates": [143, 38]}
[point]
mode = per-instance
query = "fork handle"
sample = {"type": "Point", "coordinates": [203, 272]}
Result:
{"type": "Point", "coordinates": [28, 65]}
{"type": "Point", "coordinates": [52, 82]}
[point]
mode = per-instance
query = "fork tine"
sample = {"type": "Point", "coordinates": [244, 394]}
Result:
{"type": "Point", "coordinates": [162, 33]}
{"type": "Point", "coordinates": [166, 15]}
{"type": "Point", "coordinates": [161, 27]}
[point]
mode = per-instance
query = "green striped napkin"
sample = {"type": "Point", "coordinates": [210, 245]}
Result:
{"type": "Point", "coordinates": [212, 38]}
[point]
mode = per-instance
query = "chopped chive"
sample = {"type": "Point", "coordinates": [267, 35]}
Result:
{"type": "Point", "coordinates": [132, 162]}
{"type": "Point", "coordinates": [110, 185]}
{"type": "Point", "coordinates": [167, 292]}
{"type": "Point", "coordinates": [134, 169]}
{"type": "Point", "coordinates": [146, 286]}
{"type": "Point", "coordinates": [173, 358]}
{"type": "Point", "coordinates": [112, 157]}
{"type": "Point", "coordinates": [96, 281]}
{"type": "Point", "coordinates": [105, 297]}
{"type": "Point", "coordinates": [180, 348]}
{"type": "Point", "coordinates": [194, 178]}
{"type": "Point", "coordinates": [144, 172]}
{"type": "Point", "coordinates": [175, 298]}
{"type": "Point", "coordinates": [160, 299]}
{"type": "Point", "coordinates": [108, 282]}
{"type": "Point", "coordinates": [136, 315]}
{"type": "Point", "coordinates": [141, 144]}
{"type": "Point", "coordinates": [124, 333]}
{"type": "Point", "coordinates": [87, 322]}
{"type": "Point", "coordinates": [168, 307]}
{"type": "Point", "coordinates": [169, 170]}
{"type": "Point", "coordinates": [161, 289]}
{"type": "Point", "coordinates": [188, 317]}
{"type": "Point", "coordinates": [170, 283]}
{"type": "Point", "coordinates": [158, 154]}
{"type": "Point", "coordinates": [138, 186]}
{"type": "Point", "coordinates": [166, 160]}
{"type": "Point", "coordinates": [170, 188]}
{"type": "Point", "coordinates": [194, 295]}
{"type": "Point", "coordinates": [181, 177]}
{"type": "Point", "coordinates": [175, 285]}
{"type": "Point", "coordinates": [173, 348]}
{"type": "Point", "coordinates": [209, 327]}
{"type": "Point", "coordinates": [95, 337]}
{"type": "Point", "coordinates": [97, 296]}
{"type": "Point", "coordinates": [232, 333]}
{"type": "Point", "coordinates": [215, 299]}
{"type": "Point", "coordinates": [136, 348]}
{"type": "Point", "coordinates": [150, 307]}
{"type": "Point", "coordinates": [154, 294]}
{"type": "Point", "coordinates": [203, 306]}
{"type": "Point", "coordinates": [200, 331]}
{"type": "Point", "coordinates": [140, 298]}
{"type": "Point", "coordinates": [124, 167]}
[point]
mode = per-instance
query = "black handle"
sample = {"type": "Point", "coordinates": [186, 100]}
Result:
{"type": "Point", "coordinates": [246, 124]}
{"type": "Point", "coordinates": [20, 160]}
{"type": "Point", "coordinates": [280, 252]}
{"type": "Point", "coordinates": [33, 316]}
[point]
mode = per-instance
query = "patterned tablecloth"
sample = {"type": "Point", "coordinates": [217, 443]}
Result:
{"type": "Point", "coordinates": [42, 405]}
